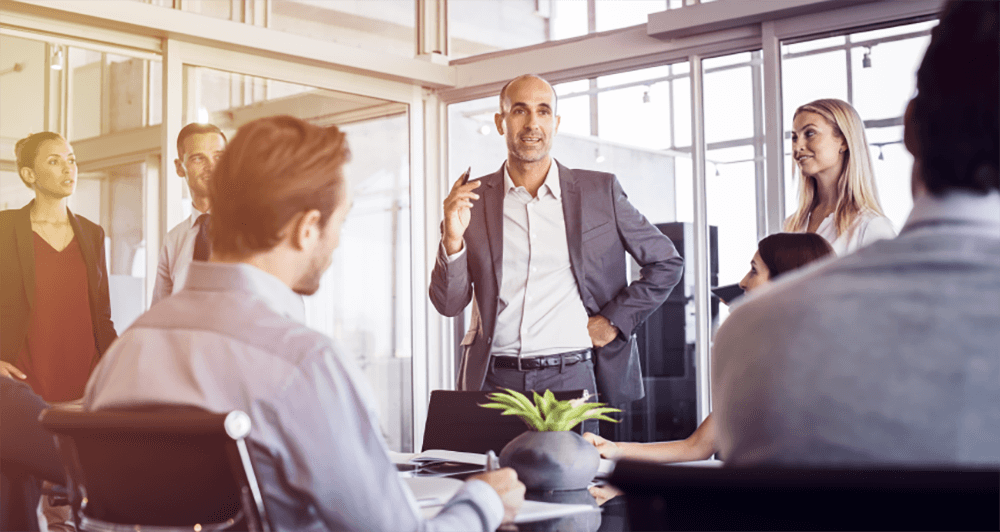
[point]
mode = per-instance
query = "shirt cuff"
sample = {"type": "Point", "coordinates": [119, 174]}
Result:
{"type": "Point", "coordinates": [453, 257]}
{"type": "Point", "coordinates": [485, 498]}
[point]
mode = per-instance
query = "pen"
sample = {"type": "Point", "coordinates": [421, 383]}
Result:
{"type": "Point", "coordinates": [465, 176]}
{"type": "Point", "coordinates": [492, 462]}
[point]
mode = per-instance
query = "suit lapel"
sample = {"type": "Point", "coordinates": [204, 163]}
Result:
{"type": "Point", "coordinates": [493, 215]}
{"type": "Point", "coordinates": [572, 205]}
{"type": "Point", "coordinates": [26, 251]}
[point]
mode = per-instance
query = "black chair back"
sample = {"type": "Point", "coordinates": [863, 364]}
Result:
{"type": "Point", "coordinates": [677, 497]}
{"type": "Point", "coordinates": [456, 422]}
{"type": "Point", "coordinates": [167, 467]}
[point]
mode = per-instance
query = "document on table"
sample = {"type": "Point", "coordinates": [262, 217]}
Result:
{"type": "Point", "coordinates": [433, 493]}
{"type": "Point", "coordinates": [604, 470]}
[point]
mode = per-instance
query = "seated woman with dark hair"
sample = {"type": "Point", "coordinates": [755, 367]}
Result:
{"type": "Point", "coordinates": [776, 255]}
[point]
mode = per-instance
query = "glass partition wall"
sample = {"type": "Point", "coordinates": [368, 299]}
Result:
{"type": "Point", "coordinates": [678, 118]}
{"type": "Point", "coordinates": [88, 95]}
{"type": "Point", "coordinates": [639, 125]}
{"type": "Point", "coordinates": [364, 298]}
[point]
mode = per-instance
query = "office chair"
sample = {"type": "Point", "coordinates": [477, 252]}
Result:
{"type": "Point", "coordinates": [456, 422]}
{"type": "Point", "coordinates": [160, 467]}
{"type": "Point", "coordinates": [677, 497]}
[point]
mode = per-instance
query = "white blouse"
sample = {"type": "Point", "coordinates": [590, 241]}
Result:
{"type": "Point", "coordinates": [867, 228]}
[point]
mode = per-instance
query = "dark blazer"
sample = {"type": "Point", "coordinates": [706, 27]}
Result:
{"type": "Point", "coordinates": [601, 225]}
{"type": "Point", "coordinates": [17, 280]}
{"type": "Point", "coordinates": [28, 455]}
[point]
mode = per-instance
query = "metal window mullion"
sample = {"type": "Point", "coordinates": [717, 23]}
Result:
{"type": "Point", "coordinates": [760, 160]}
{"type": "Point", "coordinates": [168, 203]}
{"type": "Point", "coordinates": [850, 68]}
{"type": "Point", "coordinates": [772, 204]}
{"type": "Point", "coordinates": [700, 262]}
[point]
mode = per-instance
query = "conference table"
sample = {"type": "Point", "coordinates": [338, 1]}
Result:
{"type": "Point", "coordinates": [576, 510]}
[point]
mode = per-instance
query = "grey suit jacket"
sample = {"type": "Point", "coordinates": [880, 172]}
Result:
{"type": "Point", "coordinates": [601, 225]}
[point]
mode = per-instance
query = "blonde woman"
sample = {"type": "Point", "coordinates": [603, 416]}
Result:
{"type": "Point", "coordinates": [837, 195]}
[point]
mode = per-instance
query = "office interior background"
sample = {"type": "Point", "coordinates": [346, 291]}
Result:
{"type": "Point", "coordinates": [688, 102]}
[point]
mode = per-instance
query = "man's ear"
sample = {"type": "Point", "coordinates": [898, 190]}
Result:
{"type": "Point", "coordinates": [558, 121]}
{"type": "Point", "coordinates": [498, 119]}
{"type": "Point", "coordinates": [306, 230]}
{"type": "Point", "coordinates": [180, 168]}
{"type": "Point", "coordinates": [28, 175]}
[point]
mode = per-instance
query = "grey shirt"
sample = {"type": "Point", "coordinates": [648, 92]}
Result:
{"type": "Point", "coordinates": [889, 355]}
{"type": "Point", "coordinates": [234, 338]}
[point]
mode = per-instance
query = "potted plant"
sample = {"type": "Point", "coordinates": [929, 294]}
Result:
{"type": "Point", "coordinates": [549, 456]}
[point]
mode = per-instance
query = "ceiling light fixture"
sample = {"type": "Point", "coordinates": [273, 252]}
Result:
{"type": "Point", "coordinates": [57, 58]}
{"type": "Point", "coordinates": [866, 61]}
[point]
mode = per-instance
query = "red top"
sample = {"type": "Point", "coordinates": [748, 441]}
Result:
{"type": "Point", "coordinates": [60, 349]}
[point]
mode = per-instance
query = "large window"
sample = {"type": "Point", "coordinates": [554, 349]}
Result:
{"type": "Point", "coordinates": [483, 26]}
{"type": "Point", "coordinates": [105, 94]}
{"type": "Point", "coordinates": [734, 134]}
{"type": "Point", "coordinates": [364, 298]}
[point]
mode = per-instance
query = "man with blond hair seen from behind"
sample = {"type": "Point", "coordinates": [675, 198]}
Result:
{"type": "Point", "coordinates": [234, 338]}
{"type": "Point", "coordinates": [889, 356]}
{"type": "Point", "coordinates": [199, 147]}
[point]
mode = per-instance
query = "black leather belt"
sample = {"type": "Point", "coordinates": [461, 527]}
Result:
{"type": "Point", "coordinates": [549, 361]}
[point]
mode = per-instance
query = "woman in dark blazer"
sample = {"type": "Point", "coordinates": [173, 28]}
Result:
{"type": "Point", "coordinates": [55, 308]}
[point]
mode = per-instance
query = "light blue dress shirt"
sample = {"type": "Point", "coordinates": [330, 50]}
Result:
{"type": "Point", "coordinates": [234, 338]}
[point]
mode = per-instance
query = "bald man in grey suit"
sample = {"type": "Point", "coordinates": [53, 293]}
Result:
{"type": "Point", "coordinates": [541, 250]}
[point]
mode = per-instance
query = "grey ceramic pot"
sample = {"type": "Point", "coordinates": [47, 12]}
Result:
{"type": "Point", "coordinates": [551, 460]}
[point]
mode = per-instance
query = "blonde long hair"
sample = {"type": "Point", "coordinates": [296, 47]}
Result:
{"type": "Point", "coordinates": [856, 190]}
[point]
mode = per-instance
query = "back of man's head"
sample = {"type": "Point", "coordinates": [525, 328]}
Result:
{"type": "Point", "coordinates": [274, 169]}
{"type": "Point", "coordinates": [955, 112]}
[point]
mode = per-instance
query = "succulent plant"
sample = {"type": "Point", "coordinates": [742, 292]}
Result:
{"type": "Point", "coordinates": [548, 414]}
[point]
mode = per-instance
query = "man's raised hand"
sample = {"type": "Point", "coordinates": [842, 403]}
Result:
{"type": "Point", "coordinates": [458, 212]}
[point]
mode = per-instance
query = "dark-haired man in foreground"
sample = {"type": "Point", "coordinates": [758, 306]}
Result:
{"type": "Point", "coordinates": [889, 356]}
{"type": "Point", "coordinates": [234, 338]}
{"type": "Point", "coordinates": [199, 147]}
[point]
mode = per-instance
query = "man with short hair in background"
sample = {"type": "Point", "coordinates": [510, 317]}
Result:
{"type": "Point", "coordinates": [199, 147]}
{"type": "Point", "coordinates": [890, 355]}
{"type": "Point", "coordinates": [235, 339]}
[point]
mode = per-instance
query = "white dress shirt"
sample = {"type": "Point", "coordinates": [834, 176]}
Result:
{"type": "Point", "coordinates": [540, 311]}
{"type": "Point", "coordinates": [885, 356]}
{"type": "Point", "coordinates": [868, 227]}
{"type": "Point", "coordinates": [234, 339]}
{"type": "Point", "coordinates": [175, 257]}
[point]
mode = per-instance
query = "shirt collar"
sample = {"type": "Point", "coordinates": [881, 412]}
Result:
{"type": "Point", "coordinates": [195, 213]}
{"type": "Point", "coordinates": [956, 207]}
{"type": "Point", "coordinates": [240, 277]}
{"type": "Point", "coordinates": [551, 181]}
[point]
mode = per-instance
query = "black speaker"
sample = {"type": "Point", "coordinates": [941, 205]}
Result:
{"type": "Point", "coordinates": [666, 353]}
